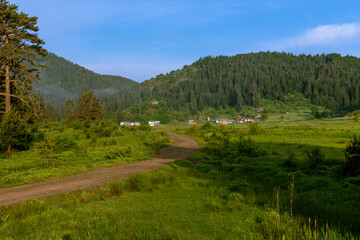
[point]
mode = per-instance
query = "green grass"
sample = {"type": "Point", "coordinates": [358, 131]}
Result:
{"type": "Point", "coordinates": [321, 190]}
{"type": "Point", "coordinates": [180, 201]}
{"type": "Point", "coordinates": [124, 145]}
{"type": "Point", "coordinates": [224, 191]}
{"type": "Point", "coordinates": [297, 107]}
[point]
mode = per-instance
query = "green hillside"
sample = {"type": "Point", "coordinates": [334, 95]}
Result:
{"type": "Point", "coordinates": [65, 79]}
{"type": "Point", "coordinates": [329, 81]}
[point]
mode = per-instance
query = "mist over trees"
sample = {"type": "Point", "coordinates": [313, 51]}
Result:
{"type": "Point", "coordinates": [64, 80]}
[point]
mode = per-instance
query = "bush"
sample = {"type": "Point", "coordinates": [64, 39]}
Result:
{"type": "Point", "coordinates": [65, 143]}
{"type": "Point", "coordinates": [145, 128]}
{"type": "Point", "coordinates": [119, 151]}
{"type": "Point", "coordinates": [158, 141]}
{"type": "Point", "coordinates": [14, 132]}
{"type": "Point", "coordinates": [315, 158]}
{"type": "Point", "coordinates": [37, 134]}
{"type": "Point", "coordinates": [291, 162]}
{"type": "Point", "coordinates": [45, 148]}
{"type": "Point", "coordinates": [100, 129]}
{"type": "Point", "coordinates": [352, 155]}
{"type": "Point", "coordinates": [254, 128]}
{"type": "Point", "coordinates": [248, 147]}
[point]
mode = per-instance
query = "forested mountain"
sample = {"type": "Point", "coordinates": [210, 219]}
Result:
{"type": "Point", "coordinates": [64, 80]}
{"type": "Point", "coordinates": [328, 80]}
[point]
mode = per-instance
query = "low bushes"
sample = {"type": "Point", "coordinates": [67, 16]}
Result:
{"type": "Point", "coordinates": [352, 155]}
{"type": "Point", "coordinates": [119, 151]}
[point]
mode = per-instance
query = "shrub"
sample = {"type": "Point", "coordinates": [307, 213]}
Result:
{"type": "Point", "coordinates": [254, 128]}
{"type": "Point", "coordinates": [77, 125]}
{"type": "Point", "coordinates": [159, 141]}
{"type": "Point", "coordinates": [14, 132]}
{"type": "Point", "coordinates": [315, 157]}
{"type": "Point", "coordinates": [248, 147]}
{"type": "Point", "coordinates": [65, 143]}
{"type": "Point", "coordinates": [45, 148]}
{"type": "Point", "coordinates": [145, 128]}
{"type": "Point", "coordinates": [291, 162]}
{"type": "Point", "coordinates": [352, 155]}
{"type": "Point", "coordinates": [119, 151]}
{"type": "Point", "coordinates": [100, 129]}
{"type": "Point", "coordinates": [37, 134]}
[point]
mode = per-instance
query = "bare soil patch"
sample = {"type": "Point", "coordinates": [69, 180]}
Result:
{"type": "Point", "coordinates": [311, 124]}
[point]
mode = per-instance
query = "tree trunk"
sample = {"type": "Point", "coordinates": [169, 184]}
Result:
{"type": "Point", "coordinates": [7, 89]}
{"type": "Point", "coordinates": [7, 78]}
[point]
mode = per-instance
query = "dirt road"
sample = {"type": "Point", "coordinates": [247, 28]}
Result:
{"type": "Point", "coordinates": [182, 148]}
{"type": "Point", "coordinates": [311, 124]}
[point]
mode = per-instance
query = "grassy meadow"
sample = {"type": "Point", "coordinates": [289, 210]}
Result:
{"type": "Point", "coordinates": [239, 185]}
{"type": "Point", "coordinates": [63, 150]}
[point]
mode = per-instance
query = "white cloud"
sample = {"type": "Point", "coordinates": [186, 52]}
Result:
{"type": "Point", "coordinates": [322, 36]}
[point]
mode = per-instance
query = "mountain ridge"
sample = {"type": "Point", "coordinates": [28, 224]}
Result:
{"type": "Point", "coordinates": [327, 80]}
{"type": "Point", "coordinates": [64, 80]}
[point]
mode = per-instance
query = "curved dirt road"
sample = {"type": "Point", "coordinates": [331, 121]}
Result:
{"type": "Point", "coordinates": [182, 148]}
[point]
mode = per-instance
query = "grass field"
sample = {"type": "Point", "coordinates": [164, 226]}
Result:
{"type": "Point", "coordinates": [236, 187]}
{"type": "Point", "coordinates": [80, 150]}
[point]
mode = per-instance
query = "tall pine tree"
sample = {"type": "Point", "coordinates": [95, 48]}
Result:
{"type": "Point", "coordinates": [19, 46]}
{"type": "Point", "coordinates": [88, 107]}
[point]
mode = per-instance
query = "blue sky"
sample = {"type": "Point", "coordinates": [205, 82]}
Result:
{"type": "Point", "coordinates": [140, 39]}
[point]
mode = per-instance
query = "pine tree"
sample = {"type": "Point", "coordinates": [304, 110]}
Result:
{"type": "Point", "coordinates": [13, 132]}
{"type": "Point", "coordinates": [19, 46]}
{"type": "Point", "coordinates": [70, 111]}
{"type": "Point", "coordinates": [88, 107]}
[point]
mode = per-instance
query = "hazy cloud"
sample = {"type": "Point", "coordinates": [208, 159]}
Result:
{"type": "Point", "coordinates": [324, 35]}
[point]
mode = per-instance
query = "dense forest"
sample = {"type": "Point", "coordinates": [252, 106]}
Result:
{"type": "Point", "coordinates": [328, 80]}
{"type": "Point", "coordinates": [64, 80]}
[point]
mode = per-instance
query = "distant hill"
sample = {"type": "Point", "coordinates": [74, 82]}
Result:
{"type": "Point", "coordinates": [330, 81]}
{"type": "Point", "coordinates": [64, 80]}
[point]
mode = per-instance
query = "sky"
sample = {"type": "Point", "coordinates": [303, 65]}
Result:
{"type": "Point", "coordinates": [140, 39]}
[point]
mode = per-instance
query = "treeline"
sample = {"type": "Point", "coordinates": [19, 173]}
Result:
{"type": "Point", "coordinates": [63, 80]}
{"type": "Point", "coordinates": [73, 77]}
{"type": "Point", "coordinates": [328, 80]}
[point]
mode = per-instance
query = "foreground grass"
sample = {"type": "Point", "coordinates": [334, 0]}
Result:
{"type": "Point", "coordinates": [269, 157]}
{"type": "Point", "coordinates": [181, 201]}
{"type": "Point", "coordinates": [225, 191]}
{"type": "Point", "coordinates": [84, 151]}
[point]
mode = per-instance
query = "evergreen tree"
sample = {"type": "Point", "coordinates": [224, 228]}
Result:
{"type": "Point", "coordinates": [70, 111]}
{"type": "Point", "coordinates": [14, 132]}
{"type": "Point", "coordinates": [88, 107]}
{"type": "Point", "coordinates": [19, 46]}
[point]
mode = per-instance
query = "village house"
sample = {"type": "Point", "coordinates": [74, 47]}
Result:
{"type": "Point", "coordinates": [257, 116]}
{"type": "Point", "coordinates": [128, 124]}
{"type": "Point", "coordinates": [154, 123]}
{"type": "Point", "coordinates": [223, 121]}
{"type": "Point", "coordinates": [247, 120]}
{"type": "Point", "coordinates": [191, 122]}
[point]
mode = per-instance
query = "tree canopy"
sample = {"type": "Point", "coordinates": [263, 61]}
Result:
{"type": "Point", "coordinates": [328, 80]}
{"type": "Point", "coordinates": [19, 46]}
{"type": "Point", "coordinates": [88, 107]}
